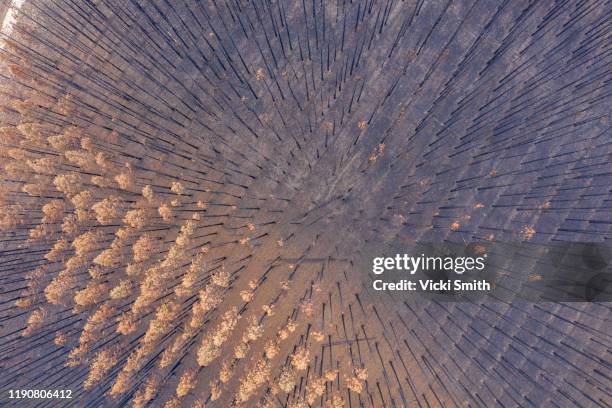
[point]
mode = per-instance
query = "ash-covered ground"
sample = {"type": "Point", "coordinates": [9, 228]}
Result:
{"type": "Point", "coordinates": [187, 187]}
